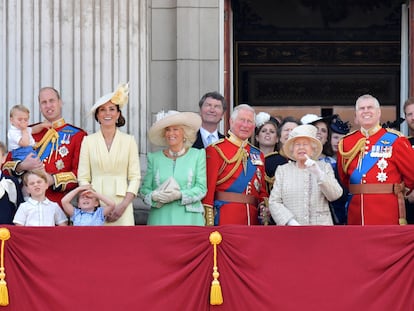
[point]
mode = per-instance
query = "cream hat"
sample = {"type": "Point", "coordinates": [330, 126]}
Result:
{"type": "Point", "coordinates": [301, 131]}
{"type": "Point", "coordinates": [172, 117]}
{"type": "Point", "coordinates": [118, 97]}
{"type": "Point", "coordinates": [310, 118]}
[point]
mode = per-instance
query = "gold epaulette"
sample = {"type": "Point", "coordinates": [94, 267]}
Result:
{"type": "Point", "coordinates": [398, 133]}
{"type": "Point", "coordinates": [218, 142]}
{"type": "Point", "coordinates": [272, 153]}
{"type": "Point", "coordinates": [64, 178]}
{"type": "Point", "coordinates": [351, 133]}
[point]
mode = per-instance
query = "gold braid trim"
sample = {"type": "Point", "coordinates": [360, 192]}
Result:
{"type": "Point", "coordinates": [10, 167]}
{"type": "Point", "coordinates": [62, 179]}
{"type": "Point", "coordinates": [241, 155]}
{"type": "Point", "coordinates": [270, 181]}
{"type": "Point", "coordinates": [348, 157]}
{"type": "Point", "coordinates": [50, 136]}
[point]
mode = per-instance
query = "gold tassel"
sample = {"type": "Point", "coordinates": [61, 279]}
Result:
{"type": "Point", "coordinates": [4, 292]}
{"type": "Point", "coordinates": [216, 297]}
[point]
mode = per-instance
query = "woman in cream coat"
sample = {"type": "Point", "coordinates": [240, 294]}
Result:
{"type": "Point", "coordinates": [109, 159]}
{"type": "Point", "coordinates": [303, 187]}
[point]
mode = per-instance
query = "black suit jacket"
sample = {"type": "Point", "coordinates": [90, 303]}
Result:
{"type": "Point", "coordinates": [199, 141]}
{"type": "Point", "coordinates": [7, 208]}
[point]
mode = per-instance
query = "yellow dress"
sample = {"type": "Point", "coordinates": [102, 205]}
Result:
{"type": "Point", "coordinates": [112, 173]}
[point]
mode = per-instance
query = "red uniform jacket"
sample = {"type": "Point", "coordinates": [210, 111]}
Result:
{"type": "Point", "coordinates": [233, 168]}
{"type": "Point", "coordinates": [60, 156]}
{"type": "Point", "coordinates": [390, 166]}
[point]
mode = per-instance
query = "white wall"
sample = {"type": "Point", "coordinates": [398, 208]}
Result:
{"type": "Point", "coordinates": [83, 48]}
{"type": "Point", "coordinates": [169, 51]}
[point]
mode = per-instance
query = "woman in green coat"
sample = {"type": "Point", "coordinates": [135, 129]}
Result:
{"type": "Point", "coordinates": [175, 181]}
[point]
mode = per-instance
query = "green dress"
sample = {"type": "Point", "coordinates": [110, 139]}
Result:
{"type": "Point", "coordinates": [189, 171]}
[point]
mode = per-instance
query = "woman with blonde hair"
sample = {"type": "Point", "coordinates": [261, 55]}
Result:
{"type": "Point", "coordinates": [175, 181]}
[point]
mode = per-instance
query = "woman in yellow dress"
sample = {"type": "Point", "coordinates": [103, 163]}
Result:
{"type": "Point", "coordinates": [109, 159]}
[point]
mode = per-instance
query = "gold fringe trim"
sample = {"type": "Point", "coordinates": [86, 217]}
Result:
{"type": "Point", "coordinates": [64, 178]}
{"type": "Point", "coordinates": [240, 157]}
{"type": "Point", "coordinates": [216, 297]}
{"type": "Point", "coordinates": [4, 292]}
{"type": "Point", "coordinates": [51, 136]}
{"type": "Point", "coordinates": [348, 157]}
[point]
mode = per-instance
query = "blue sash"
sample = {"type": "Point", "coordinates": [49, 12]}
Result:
{"type": "Point", "coordinates": [65, 134]}
{"type": "Point", "coordinates": [240, 184]}
{"type": "Point", "coordinates": [368, 162]}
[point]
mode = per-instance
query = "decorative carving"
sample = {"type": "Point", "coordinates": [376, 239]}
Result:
{"type": "Point", "coordinates": [338, 53]}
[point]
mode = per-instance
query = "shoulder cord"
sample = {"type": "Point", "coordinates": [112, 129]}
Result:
{"type": "Point", "coordinates": [50, 136]}
{"type": "Point", "coordinates": [347, 157]}
{"type": "Point", "coordinates": [240, 156]}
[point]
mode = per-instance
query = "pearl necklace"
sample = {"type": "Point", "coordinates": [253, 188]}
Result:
{"type": "Point", "coordinates": [176, 154]}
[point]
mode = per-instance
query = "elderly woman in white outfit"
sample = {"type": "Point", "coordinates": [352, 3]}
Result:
{"type": "Point", "coordinates": [303, 187]}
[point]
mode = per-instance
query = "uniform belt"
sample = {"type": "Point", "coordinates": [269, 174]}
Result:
{"type": "Point", "coordinates": [397, 189]}
{"type": "Point", "coordinates": [235, 197]}
{"type": "Point", "coordinates": [371, 188]}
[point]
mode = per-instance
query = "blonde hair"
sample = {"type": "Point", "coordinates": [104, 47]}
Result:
{"type": "Point", "coordinates": [190, 135]}
{"type": "Point", "coordinates": [40, 174]}
{"type": "Point", "coordinates": [19, 107]}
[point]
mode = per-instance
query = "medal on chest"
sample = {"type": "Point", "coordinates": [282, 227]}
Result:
{"type": "Point", "coordinates": [382, 164]}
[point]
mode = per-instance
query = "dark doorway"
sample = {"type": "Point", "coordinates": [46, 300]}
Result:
{"type": "Point", "coordinates": [316, 53]}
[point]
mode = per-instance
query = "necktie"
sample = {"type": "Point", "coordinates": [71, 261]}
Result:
{"type": "Point", "coordinates": [6, 185]}
{"type": "Point", "coordinates": [210, 139]}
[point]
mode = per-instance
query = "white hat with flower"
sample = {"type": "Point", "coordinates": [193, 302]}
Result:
{"type": "Point", "coordinates": [118, 97]}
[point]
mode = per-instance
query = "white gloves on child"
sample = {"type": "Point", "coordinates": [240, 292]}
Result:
{"type": "Point", "coordinates": [314, 168]}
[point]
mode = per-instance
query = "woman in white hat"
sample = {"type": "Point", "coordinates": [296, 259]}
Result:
{"type": "Point", "coordinates": [303, 187]}
{"type": "Point", "coordinates": [175, 181]}
{"type": "Point", "coordinates": [109, 158]}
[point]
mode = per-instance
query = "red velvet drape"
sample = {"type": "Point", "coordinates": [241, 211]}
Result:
{"type": "Point", "coordinates": [170, 268]}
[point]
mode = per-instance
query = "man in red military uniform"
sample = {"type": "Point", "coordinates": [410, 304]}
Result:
{"type": "Point", "coordinates": [376, 166]}
{"type": "Point", "coordinates": [57, 146]}
{"type": "Point", "coordinates": [235, 174]}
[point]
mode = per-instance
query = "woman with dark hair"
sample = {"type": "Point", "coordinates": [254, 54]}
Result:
{"type": "Point", "coordinates": [109, 158]}
{"type": "Point", "coordinates": [266, 140]}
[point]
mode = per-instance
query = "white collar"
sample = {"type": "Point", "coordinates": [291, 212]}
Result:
{"type": "Point", "coordinates": [35, 202]}
{"type": "Point", "coordinates": [204, 133]}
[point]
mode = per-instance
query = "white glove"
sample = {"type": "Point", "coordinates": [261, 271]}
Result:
{"type": "Point", "coordinates": [155, 196]}
{"type": "Point", "coordinates": [314, 168]}
{"type": "Point", "coordinates": [168, 196]}
{"type": "Point", "coordinates": [292, 222]}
